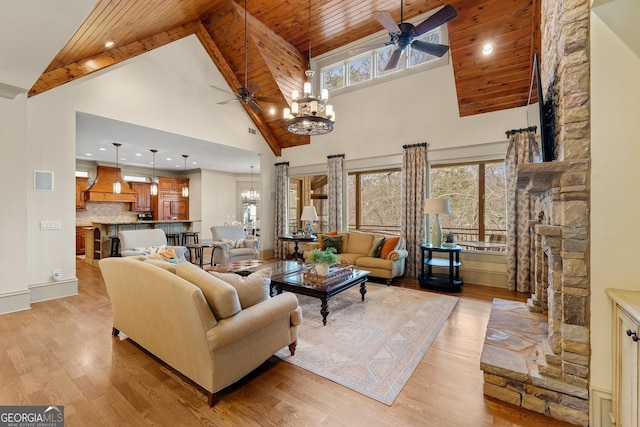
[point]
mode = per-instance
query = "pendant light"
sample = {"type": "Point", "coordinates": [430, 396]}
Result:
{"type": "Point", "coordinates": [154, 185]}
{"type": "Point", "coordinates": [117, 186]}
{"type": "Point", "coordinates": [251, 197]}
{"type": "Point", "coordinates": [185, 187]}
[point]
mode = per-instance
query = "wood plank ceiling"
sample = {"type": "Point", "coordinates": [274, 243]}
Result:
{"type": "Point", "coordinates": [278, 45]}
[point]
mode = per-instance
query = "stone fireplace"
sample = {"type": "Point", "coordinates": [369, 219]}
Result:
{"type": "Point", "coordinates": [536, 355]}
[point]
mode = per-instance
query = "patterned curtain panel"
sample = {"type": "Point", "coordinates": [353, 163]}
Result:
{"type": "Point", "coordinates": [334, 192]}
{"type": "Point", "coordinates": [280, 248]}
{"type": "Point", "coordinates": [414, 170]}
{"type": "Point", "coordinates": [523, 148]}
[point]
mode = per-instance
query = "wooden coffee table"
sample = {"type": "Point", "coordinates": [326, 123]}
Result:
{"type": "Point", "coordinates": [294, 282]}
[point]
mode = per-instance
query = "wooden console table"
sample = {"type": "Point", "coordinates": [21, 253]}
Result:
{"type": "Point", "coordinates": [440, 282]}
{"type": "Point", "coordinates": [296, 255]}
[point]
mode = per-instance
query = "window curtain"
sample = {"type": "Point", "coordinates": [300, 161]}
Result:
{"type": "Point", "coordinates": [281, 249]}
{"type": "Point", "coordinates": [414, 170]}
{"type": "Point", "coordinates": [334, 191]}
{"type": "Point", "coordinates": [523, 148]}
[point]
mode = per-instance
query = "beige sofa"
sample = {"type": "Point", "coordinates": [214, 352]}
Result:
{"type": "Point", "coordinates": [194, 321]}
{"type": "Point", "coordinates": [355, 250]}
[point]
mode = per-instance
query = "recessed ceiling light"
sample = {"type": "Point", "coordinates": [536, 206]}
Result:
{"type": "Point", "coordinates": [102, 149]}
{"type": "Point", "coordinates": [109, 44]}
{"type": "Point", "coordinates": [487, 49]}
{"type": "Point", "coordinates": [138, 154]}
{"type": "Point", "coordinates": [272, 111]}
{"type": "Point", "coordinates": [88, 154]}
{"type": "Point", "coordinates": [168, 159]}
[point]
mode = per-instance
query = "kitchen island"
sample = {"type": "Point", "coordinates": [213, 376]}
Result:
{"type": "Point", "coordinates": [100, 238]}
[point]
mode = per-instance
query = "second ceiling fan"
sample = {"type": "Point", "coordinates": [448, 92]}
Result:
{"type": "Point", "coordinates": [403, 34]}
{"type": "Point", "coordinates": [247, 93]}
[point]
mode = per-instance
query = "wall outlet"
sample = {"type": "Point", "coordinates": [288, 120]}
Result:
{"type": "Point", "coordinates": [57, 274]}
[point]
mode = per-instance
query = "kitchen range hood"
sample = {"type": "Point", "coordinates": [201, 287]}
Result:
{"type": "Point", "coordinates": [102, 188]}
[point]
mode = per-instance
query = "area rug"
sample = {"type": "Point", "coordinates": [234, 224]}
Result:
{"type": "Point", "coordinates": [374, 346]}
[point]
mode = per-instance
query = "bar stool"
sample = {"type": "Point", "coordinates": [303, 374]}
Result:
{"type": "Point", "coordinates": [173, 239]}
{"type": "Point", "coordinates": [190, 237]}
{"type": "Point", "coordinates": [115, 246]}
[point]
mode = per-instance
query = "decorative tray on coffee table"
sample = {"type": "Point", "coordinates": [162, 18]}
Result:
{"type": "Point", "coordinates": [336, 273]}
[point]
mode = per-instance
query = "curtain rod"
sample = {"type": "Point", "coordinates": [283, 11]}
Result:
{"type": "Point", "coordinates": [512, 131]}
{"type": "Point", "coordinates": [281, 163]}
{"type": "Point", "coordinates": [333, 156]}
{"type": "Point", "coordinates": [422, 144]}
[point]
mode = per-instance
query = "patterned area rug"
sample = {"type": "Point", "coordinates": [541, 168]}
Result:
{"type": "Point", "coordinates": [374, 346]}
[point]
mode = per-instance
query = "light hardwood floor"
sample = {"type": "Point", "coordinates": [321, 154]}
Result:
{"type": "Point", "coordinates": [61, 352]}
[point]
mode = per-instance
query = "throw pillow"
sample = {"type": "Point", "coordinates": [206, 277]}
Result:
{"type": "Point", "coordinates": [232, 244]}
{"type": "Point", "coordinates": [388, 246]}
{"type": "Point", "coordinates": [221, 296]}
{"type": "Point", "coordinates": [166, 255]}
{"type": "Point", "coordinates": [251, 289]}
{"type": "Point", "coordinates": [169, 266]}
{"type": "Point", "coordinates": [332, 242]}
{"type": "Point", "coordinates": [376, 247]}
{"type": "Point", "coordinates": [330, 233]}
{"type": "Point", "coordinates": [152, 249]}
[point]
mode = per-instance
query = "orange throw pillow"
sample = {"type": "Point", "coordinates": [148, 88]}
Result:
{"type": "Point", "coordinates": [389, 244]}
{"type": "Point", "coordinates": [330, 233]}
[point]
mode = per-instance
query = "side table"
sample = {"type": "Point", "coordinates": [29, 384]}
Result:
{"type": "Point", "coordinates": [295, 239]}
{"type": "Point", "coordinates": [198, 248]}
{"type": "Point", "coordinates": [440, 282]}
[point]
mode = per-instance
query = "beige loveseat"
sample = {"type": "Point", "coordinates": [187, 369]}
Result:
{"type": "Point", "coordinates": [355, 248]}
{"type": "Point", "coordinates": [194, 321]}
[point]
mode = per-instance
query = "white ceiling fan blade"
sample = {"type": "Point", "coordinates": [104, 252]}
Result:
{"type": "Point", "coordinates": [385, 19]}
{"type": "Point", "coordinates": [228, 101]}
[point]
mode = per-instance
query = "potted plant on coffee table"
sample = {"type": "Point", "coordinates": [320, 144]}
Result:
{"type": "Point", "coordinates": [323, 259]}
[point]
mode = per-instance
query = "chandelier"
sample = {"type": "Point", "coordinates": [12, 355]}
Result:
{"type": "Point", "coordinates": [251, 197]}
{"type": "Point", "coordinates": [309, 114]}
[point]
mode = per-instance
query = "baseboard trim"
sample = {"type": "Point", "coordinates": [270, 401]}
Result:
{"type": "Point", "coordinates": [15, 301]}
{"type": "Point", "coordinates": [600, 407]}
{"type": "Point", "coordinates": [53, 290]}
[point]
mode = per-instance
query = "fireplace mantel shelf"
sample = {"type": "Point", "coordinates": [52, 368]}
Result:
{"type": "Point", "coordinates": [539, 177]}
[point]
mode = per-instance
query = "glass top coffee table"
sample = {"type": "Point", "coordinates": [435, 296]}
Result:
{"type": "Point", "coordinates": [295, 282]}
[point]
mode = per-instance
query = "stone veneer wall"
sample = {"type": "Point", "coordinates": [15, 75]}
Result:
{"type": "Point", "coordinates": [558, 383]}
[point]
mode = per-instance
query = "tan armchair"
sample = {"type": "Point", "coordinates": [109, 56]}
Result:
{"type": "Point", "coordinates": [225, 238]}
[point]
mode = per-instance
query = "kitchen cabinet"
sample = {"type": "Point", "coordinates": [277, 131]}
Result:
{"type": "Point", "coordinates": [81, 235]}
{"type": "Point", "coordinates": [169, 203]}
{"type": "Point", "coordinates": [143, 196]}
{"type": "Point", "coordinates": [625, 357]}
{"type": "Point", "coordinates": [81, 186]}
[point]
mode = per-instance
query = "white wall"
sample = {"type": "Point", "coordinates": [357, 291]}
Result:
{"type": "Point", "coordinates": [17, 183]}
{"type": "Point", "coordinates": [615, 151]}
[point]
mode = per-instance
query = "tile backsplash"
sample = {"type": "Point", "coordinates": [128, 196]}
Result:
{"type": "Point", "coordinates": [105, 212]}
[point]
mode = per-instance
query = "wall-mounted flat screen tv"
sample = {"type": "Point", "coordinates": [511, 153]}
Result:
{"type": "Point", "coordinates": [540, 113]}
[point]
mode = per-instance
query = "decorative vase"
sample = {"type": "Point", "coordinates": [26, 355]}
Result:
{"type": "Point", "coordinates": [322, 269]}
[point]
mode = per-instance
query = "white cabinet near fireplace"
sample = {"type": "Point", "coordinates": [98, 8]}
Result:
{"type": "Point", "coordinates": [626, 361]}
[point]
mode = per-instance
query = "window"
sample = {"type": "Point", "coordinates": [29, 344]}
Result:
{"type": "Point", "coordinates": [374, 200]}
{"type": "Point", "coordinates": [478, 200]}
{"type": "Point", "coordinates": [370, 65]}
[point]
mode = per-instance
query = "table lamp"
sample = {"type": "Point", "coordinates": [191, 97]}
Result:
{"type": "Point", "coordinates": [309, 214]}
{"type": "Point", "coordinates": [437, 206]}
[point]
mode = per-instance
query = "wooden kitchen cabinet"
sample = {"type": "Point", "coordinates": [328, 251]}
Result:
{"type": "Point", "coordinates": [169, 203]}
{"type": "Point", "coordinates": [81, 186]}
{"type": "Point", "coordinates": [625, 357]}
{"type": "Point", "coordinates": [143, 196]}
{"type": "Point", "coordinates": [81, 235]}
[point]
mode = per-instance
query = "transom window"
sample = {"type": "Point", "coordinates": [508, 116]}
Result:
{"type": "Point", "coordinates": [370, 65]}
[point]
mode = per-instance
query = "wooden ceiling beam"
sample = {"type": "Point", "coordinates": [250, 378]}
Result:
{"type": "Point", "coordinates": [68, 73]}
{"type": "Point", "coordinates": [231, 79]}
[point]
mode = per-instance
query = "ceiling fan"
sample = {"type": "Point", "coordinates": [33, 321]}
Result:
{"type": "Point", "coordinates": [247, 93]}
{"type": "Point", "coordinates": [403, 34]}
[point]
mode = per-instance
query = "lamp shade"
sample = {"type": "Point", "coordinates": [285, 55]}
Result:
{"type": "Point", "coordinates": [309, 214]}
{"type": "Point", "coordinates": [437, 206]}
